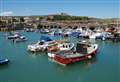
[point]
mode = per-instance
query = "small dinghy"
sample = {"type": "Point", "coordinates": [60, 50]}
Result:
{"type": "Point", "coordinates": [4, 61]}
{"type": "Point", "coordinates": [21, 39]}
{"type": "Point", "coordinates": [13, 36]}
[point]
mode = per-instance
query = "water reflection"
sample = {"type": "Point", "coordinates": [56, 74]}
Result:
{"type": "Point", "coordinates": [73, 66]}
{"type": "Point", "coordinates": [35, 66]}
{"type": "Point", "coordinates": [4, 66]}
{"type": "Point", "coordinates": [36, 54]}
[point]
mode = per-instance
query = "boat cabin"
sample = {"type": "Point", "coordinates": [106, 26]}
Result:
{"type": "Point", "coordinates": [82, 48]}
{"type": "Point", "coordinates": [64, 45]}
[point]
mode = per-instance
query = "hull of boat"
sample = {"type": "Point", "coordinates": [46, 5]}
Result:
{"type": "Point", "coordinates": [65, 61]}
{"type": "Point", "coordinates": [20, 40]}
{"type": "Point", "coordinates": [37, 49]}
{"type": "Point", "coordinates": [5, 61]}
{"type": "Point", "coordinates": [11, 37]}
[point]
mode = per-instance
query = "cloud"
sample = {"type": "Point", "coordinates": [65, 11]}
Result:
{"type": "Point", "coordinates": [6, 13]}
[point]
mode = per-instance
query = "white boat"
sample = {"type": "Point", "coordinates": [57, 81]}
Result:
{"type": "Point", "coordinates": [65, 46]}
{"type": "Point", "coordinates": [67, 32]}
{"type": "Point", "coordinates": [44, 31]}
{"type": "Point", "coordinates": [56, 32]}
{"type": "Point", "coordinates": [37, 47]}
{"type": "Point", "coordinates": [60, 46]}
{"type": "Point", "coordinates": [13, 36]}
{"type": "Point", "coordinates": [41, 45]}
{"type": "Point", "coordinates": [21, 39]}
{"type": "Point", "coordinates": [94, 35]}
{"type": "Point", "coordinates": [29, 30]}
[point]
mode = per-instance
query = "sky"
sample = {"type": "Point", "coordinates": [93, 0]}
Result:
{"type": "Point", "coordinates": [91, 8]}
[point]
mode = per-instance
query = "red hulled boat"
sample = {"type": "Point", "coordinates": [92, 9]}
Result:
{"type": "Point", "coordinates": [83, 51]}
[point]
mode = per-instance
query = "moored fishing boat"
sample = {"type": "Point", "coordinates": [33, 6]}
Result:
{"type": "Point", "coordinates": [60, 46]}
{"type": "Point", "coordinates": [82, 52]}
{"type": "Point", "coordinates": [41, 45]}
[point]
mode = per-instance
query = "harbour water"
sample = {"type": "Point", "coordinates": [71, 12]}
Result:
{"type": "Point", "coordinates": [37, 67]}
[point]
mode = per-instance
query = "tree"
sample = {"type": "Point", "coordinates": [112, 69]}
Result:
{"type": "Point", "coordinates": [40, 18]}
{"type": "Point", "coordinates": [39, 26]}
{"type": "Point", "coordinates": [67, 17]}
{"type": "Point", "coordinates": [22, 19]}
{"type": "Point", "coordinates": [14, 20]}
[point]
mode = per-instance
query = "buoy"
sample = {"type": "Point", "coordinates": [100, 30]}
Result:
{"type": "Point", "coordinates": [89, 57]}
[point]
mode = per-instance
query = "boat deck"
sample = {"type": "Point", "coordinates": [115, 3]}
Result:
{"type": "Point", "coordinates": [69, 54]}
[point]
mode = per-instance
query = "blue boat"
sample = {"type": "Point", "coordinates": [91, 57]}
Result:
{"type": "Point", "coordinates": [3, 61]}
{"type": "Point", "coordinates": [75, 34]}
{"type": "Point", "coordinates": [45, 38]}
